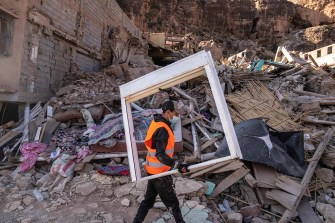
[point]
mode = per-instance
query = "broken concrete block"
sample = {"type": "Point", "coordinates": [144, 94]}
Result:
{"type": "Point", "coordinates": [191, 204]}
{"type": "Point", "coordinates": [186, 186]}
{"type": "Point", "coordinates": [259, 220]}
{"type": "Point", "coordinates": [325, 174]}
{"type": "Point", "coordinates": [160, 205]}
{"type": "Point", "coordinates": [234, 218]}
{"type": "Point", "coordinates": [29, 200]}
{"type": "Point", "coordinates": [327, 210]}
{"type": "Point", "coordinates": [196, 216]}
{"type": "Point", "coordinates": [124, 190]}
{"type": "Point", "coordinates": [85, 189]}
{"type": "Point", "coordinates": [125, 202]}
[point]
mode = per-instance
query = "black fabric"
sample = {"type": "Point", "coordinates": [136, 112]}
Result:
{"type": "Point", "coordinates": [283, 151]}
{"type": "Point", "coordinates": [159, 141]}
{"type": "Point", "coordinates": [162, 186]}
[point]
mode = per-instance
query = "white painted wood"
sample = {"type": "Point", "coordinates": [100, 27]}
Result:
{"type": "Point", "coordinates": [50, 112]}
{"type": "Point", "coordinates": [128, 140]}
{"type": "Point", "coordinates": [155, 88]}
{"type": "Point", "coordinates": [222, 108]}
{"type": "Point", "coordinates": [178, 72]}
{"type": "Point", "coordinates": [192, 167]}
{"type": "Point", "coordinates": [133, 141]}
{"type": "Point", "coordinates": [38, 133]}
{"type": "Point", "coordinates": [165, 74]}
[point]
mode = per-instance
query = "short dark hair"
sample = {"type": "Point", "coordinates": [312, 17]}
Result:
{"type": "Point", "coordinates": [168, 105]}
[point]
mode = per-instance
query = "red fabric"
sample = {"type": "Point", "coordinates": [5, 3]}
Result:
{"type": "Point", "coordinates": [30, 153]}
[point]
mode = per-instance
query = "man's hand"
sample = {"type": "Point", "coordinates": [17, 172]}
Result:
{"type": "Point", "coordinates": [183, 168]}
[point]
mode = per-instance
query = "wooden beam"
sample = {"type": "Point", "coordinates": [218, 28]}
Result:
{"type": "Point", "coordinates": [230, 180]}
{"type": "Point", "coordinates": [187, 134]}
{"type": "Point", "coordinates": [9, 137]}
{"type": "Point", "coordinates": [251, 181]}
{"type": "Point", "coordinates": [313, 120]}
{"type": "Point", "coordinates": [229, 167]}
{"type": "Point", "coordinates": [309, 173]}
{"type": "Point", "coordinates": [309, 93]}
{"type": "Point", "coordinates": [208, 143]}
{"type": "Point", "coordinates": [7, 125]}
{"type": "Point", "coordinates": [313, 60]}
{"type": "Point", "coordinates": [191, 120]}
{"type": "Point", "coordinates": [210, 168]}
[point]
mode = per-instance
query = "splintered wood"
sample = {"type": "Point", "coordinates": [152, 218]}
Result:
{"type": "Point", "coordinates": [256, 101]}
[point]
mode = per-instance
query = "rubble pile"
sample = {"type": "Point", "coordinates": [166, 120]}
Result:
{"type": "Point", "coordinates": [74, 152]}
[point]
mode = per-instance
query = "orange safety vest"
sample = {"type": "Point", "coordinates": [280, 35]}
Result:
{"type": "Point", "coordinates": [153, 165]}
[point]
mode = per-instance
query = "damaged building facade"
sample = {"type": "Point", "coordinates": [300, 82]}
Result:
{"type": "Point", "coordinates": [42, 40]}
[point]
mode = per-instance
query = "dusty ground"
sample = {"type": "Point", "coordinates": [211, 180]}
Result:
{"type": "Point", "coordinates": [92, 198]}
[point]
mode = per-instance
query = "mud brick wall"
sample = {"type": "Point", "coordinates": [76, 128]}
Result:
{"type": "Point", "coordinates": [66, 32]}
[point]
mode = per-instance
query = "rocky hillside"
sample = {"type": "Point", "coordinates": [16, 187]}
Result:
{"type": "Point", "coordinates": [264, 21]}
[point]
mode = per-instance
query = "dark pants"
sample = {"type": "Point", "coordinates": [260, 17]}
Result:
{"type": "Point", "coordinates": [161, 186]}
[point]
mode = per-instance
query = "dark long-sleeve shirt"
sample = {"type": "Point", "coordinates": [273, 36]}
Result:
{"type": "Point", "coordinates": [159, 142]}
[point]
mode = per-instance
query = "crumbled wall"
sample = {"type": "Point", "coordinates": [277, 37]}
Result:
{"type": "Point", "coordinates": [61, 33]}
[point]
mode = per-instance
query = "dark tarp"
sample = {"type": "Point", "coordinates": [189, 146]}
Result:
{"type": "Point", "coordinates": [260, 143]}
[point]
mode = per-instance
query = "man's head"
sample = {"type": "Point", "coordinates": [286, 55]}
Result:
{"type": "Point", "coordinates": [169, 111]}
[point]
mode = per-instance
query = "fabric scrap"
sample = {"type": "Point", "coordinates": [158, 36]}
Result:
{"type": "Point", "coordinates": [114, 170]}
{"type": "Point", "coordinates": [30, 153]}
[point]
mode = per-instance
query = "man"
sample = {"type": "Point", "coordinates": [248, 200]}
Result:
{"type": "Point", "coordinates": [160, 144]}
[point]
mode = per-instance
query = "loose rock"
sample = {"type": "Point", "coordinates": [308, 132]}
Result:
{"type": "Point", "coordinates": [85, 189]}
{"type": "Point", "coordinates": [234, 218]}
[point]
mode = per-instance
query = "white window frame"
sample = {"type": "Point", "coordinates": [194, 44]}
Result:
{"type": "Point", "coordinates": [166, 77]}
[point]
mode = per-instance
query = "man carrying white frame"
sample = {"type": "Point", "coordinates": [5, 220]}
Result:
{"type": "Point", "coordinates": [160, 145]}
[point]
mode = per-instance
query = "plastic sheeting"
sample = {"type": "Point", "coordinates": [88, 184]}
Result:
{"type": "Point", "coordinates": [260, 143]}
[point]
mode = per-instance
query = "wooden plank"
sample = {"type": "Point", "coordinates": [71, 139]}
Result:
{"type": "Point", "coordinates": [208, 143]}
{"type": "Point", "coordinates": [7, 125]}
{"type": "Point", "coordinates": [264, 175]}
{"type": "Point", "coordinates": [191, 120]}
{"type": "Point", "coordinates": [280, 209]}
{"type": "Point", "coordinates": [50, 128]}
{"type": "Point", "coordinates": [2, 8]}
{"type": "Point", "coordinates": [251, 181]}
{"type": "Point", "coordinates": [230, 180]}
{"type": "Point", "coordinates": [187, 134]}
{"type": "Point", "coordinates": [249, 194]}
{"type": "Point", "coordinates": [38, 134]}
{"type": "Point", "coordinates": [210, 168]}
{"type": "Point", "coordinates": [309, 173]}
{"type": "Point", "coordinates": [32, 129]}
{"type": "Point", "coordinates": [313, 60]}
{"type": "Point", "coordinates": [306, 213]}
{"type": "Point", "coordinates": [286, 184]}
{"type": "Point", "coordinates": [260, 191]}
{"type": "Point", "coordinates": [9, 137]}
{"type": "Point", "coordinates": [230, 167]}
{"type": "Point", "coordinates": [283, 198]}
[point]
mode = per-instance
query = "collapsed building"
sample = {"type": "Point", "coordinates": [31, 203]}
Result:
{"type": "Point", "coordinates": [41, 40]}
{"type": "Point", "coordinates": [72, 147]}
